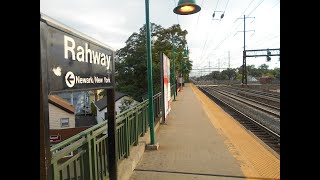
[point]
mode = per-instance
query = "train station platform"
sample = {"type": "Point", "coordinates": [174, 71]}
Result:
{"type": "Point", "coordinates": [201, 141]}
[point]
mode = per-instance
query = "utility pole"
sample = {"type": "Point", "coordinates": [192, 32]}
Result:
{"type": "Point", "coordinates": [229, 59]}
{"type": "Point", "coordinates": [244, 63]}
{"type": "Point", "coordinates": [174, 71]}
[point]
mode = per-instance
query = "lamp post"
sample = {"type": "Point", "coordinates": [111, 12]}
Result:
{"type": "Point", "coordinates": [150, 83]}
{"type": "Point", "coordinates": [174, 71]}
{"type": "Point", "coordinates": [185, 57]}
{"type": "Point", "coordinates": [184, 7]}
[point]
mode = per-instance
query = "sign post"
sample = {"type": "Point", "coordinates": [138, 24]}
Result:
{"type": "Point", "coordinates": [72, 61]}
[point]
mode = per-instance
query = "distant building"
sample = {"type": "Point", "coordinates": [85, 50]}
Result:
{"type": "Point", "coordinates": [61, 113]}
{"type": "Point", "coordinates": [63, 122]}
{"type": "Point", "coordinates": [80, 100]}
{"type": "Point", "coordinates": [265, 80]}
{"type": "Point", "coordinates": [251, 78]}
{"type": "Point", "coordinates": [102, 105]}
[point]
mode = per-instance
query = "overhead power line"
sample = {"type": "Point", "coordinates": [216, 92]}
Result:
{"type": "Point", "coordinates": [256, 7]}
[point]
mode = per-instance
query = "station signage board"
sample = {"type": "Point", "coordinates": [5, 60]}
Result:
{"type": "Point", "coordinates": [75, 61]}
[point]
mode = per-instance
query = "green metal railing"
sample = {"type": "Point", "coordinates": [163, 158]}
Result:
{"type": "Point", "coordinates": [88, 150]}
{"type": "Point", "coordinates": [172, 90]}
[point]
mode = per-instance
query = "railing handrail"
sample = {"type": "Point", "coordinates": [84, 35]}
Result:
{"type": "Point", "coordinates": [97, 126]}
{"type": "Point", "coordinates": [84, 155]}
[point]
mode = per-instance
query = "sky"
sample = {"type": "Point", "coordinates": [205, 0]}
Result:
{"type": "Point", "coordinates": [212, 42]}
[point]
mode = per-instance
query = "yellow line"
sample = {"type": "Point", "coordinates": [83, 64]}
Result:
{"type": "Point", "coordinates": [255, 160]}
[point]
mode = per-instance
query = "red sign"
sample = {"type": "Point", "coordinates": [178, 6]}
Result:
{"type": "Point", "coordinates": [166, 84]}
{"type": "Point", "coordinates": [55, 138]}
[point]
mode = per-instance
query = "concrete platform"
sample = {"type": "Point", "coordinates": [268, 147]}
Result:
{"type": "Point", "coordinates": [201, 141]}
{"type": "Point", "coordinates": [190, 147]}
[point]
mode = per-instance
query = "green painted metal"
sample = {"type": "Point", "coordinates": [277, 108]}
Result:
{"type": "Point", "coordinates": [174, 70]}
{"type": "Point", "coordinates": [75, 168]}
{"type": "Point", "coordinates": [150, 82]}
{"type": "Point", "coordinates": [89, 148]}
{"type": "Point", "coordinates": [171, 90]}
{"type": "Point", "coordinates": [90, 158]}
{"type": "Point", "coordinates": [94, 159]}
{"type": "Point", "coordinates": [55, 173]}
{"type": "Point", "coordinates": [136, 129]}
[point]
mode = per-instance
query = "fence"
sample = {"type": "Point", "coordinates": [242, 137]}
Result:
{"type": "Point", "coordinates": [84, 155]}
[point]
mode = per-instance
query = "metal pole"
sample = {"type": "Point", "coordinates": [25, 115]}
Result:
{"type": "Point", "coordinates": [244, 49]}
{"type": "Point", "coordinates": [174, 71]}
{"type": "Point", "coordinates": [45, 153]}
{"type": "Point", "coordinates": [150, 84]}
{"type": "Point", "coordinates": [229, 59]}
{"type": "Point", "coordinates": [112, 135]}
{"type": "Point", "coordinates": [181, 73]}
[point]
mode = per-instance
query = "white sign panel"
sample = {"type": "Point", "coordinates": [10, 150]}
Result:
{"type": "Point", "coordinates": [166, 84]}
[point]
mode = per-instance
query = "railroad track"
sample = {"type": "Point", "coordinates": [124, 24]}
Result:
{"type": "Point", "coordinates": [268, 136]}
{"type": "Point", "coordinates": [270, 109]}
{"type": "Point", "coordinates": [266, 94]}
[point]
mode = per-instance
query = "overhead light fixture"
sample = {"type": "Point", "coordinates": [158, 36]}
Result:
{"type": "Point", "coordinates": [214, 13]}
{"type": "Point", "coordinates": [186, 7]}
{"type": "Point", "coordinates": [222, 15]}
{"type": "Point", "coordinates": [185, 53]}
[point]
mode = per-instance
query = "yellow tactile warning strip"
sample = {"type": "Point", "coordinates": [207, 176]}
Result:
{"type": "Point", "coordinates": [255, 160]}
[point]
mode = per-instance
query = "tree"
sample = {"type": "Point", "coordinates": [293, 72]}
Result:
{"type": "Point", "coordinates": [93, 109]}
{"type": "Point", "coordinates": [276, 73]}
{"type": "Point", "coordinates": [131, 60]}
{"type": "Point", "coordinates": [126, 103]}
{"type": "Point", "coordinates": [229, 73]}
{"type": "Point", "coordinates": [263, 68]}
{"type": "Point", "coordinates": [174, 36]}
{"type": "Point", "coordinates": [215, 74]}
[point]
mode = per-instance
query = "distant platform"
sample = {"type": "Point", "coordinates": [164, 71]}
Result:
{"type": "Point", "coordinates": [207, 85]}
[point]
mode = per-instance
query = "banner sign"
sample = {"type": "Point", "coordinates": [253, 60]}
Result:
{"type": "Point", "coordinates": [166, 84]}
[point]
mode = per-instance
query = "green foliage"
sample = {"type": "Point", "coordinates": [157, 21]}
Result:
{"type": "Point", "coordinates": [131, 60]}
{"type": "Point", "coordinates": [228, 74]}
{"type": "Point", "coordinates": [93, 109]}
{"type": "Point", "coordinates": [269, 74]}
{"type": "Point", "coordinates": [239, 77]}
{"type": "Point", "coordinates": [236, 73]}
{"type": "Point", "coordinates": [276, 73]}
{"type": "Point", "coordinates": [125, 104]}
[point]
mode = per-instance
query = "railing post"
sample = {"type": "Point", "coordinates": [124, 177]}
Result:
{"type": "Point", "coordinates": [158, 105]}
{"type": "Point", "coordinates": [143, 121]}
{"type": "Point", "coordinates": [127, 137]}
{"type": "Point", "coordinates": [55, 171]}
{"type": "Point", "coordinates": [155, 107]}
{"type": "Point", "coordinates": [88, 160]}
{"type": "Point", "coordinates": [82, 167]}
{"type": "Point", "coordinates": [95, 162]}
{"type": "Point", "coordinates": [146, 117]}
{"type": "Point", "coordinates": [136, 128]}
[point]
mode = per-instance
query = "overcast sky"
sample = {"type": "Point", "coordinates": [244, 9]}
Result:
{"type": "Point", "coordinates": [209, 41]}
